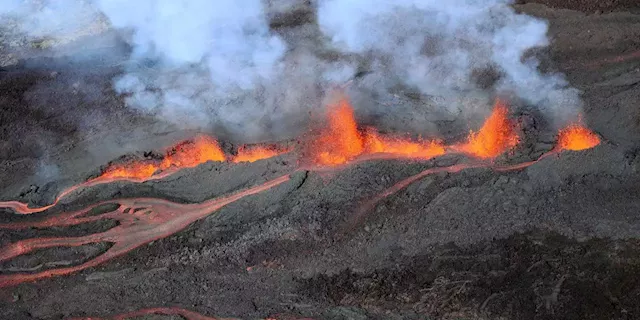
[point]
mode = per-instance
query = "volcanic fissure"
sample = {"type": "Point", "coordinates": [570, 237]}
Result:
{"type": "Point", "coordinates": [340, 143]}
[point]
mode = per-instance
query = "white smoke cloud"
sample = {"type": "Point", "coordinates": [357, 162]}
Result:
{"type": "Point", "coordinates": [203, 63]}
{"type": "Point", "coordinates": [230, 37]}
{"type": "Point", "coordinates": [48, 18]}
{"type": "Point", "coordinates": [436, 46]}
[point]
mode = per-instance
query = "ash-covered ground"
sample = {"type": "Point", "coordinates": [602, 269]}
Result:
{"type": "Point", "coordinates": [557, 240]}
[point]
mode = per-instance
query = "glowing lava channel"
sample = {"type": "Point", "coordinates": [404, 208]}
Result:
{"type": "Point", "coordinates": [141, 220]}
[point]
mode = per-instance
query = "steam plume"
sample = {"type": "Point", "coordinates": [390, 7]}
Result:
{"type": "Point", "coordinates": [202, 63]}
{"type": "Point", "coordinates": [439, 47]}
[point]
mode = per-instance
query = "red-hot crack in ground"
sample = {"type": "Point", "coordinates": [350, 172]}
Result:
{"type": "Point", "coordinates": [142, 220]}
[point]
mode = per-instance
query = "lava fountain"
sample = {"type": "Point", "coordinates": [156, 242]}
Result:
{"type": "Point", "coordinates": [142, 220]}
{"type": "Point", "coordinates": [341, 141]}
{"type": "Point", "coordinates": [575, 137]}
{"type": "Point", "coordinates": [496, 136]}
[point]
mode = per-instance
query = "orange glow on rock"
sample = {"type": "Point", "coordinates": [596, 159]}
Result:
{"type": "Point", "coordinates": [340, 141]}
{"type": "Point", "coordinates": [496, 136]}
{"type": "Point", "coordinates": [136, 170]}
{"type": "Point", "coordinates": [192, 153]}
{"type": "Point", "coordinates": [576, 137]}
{"type": "Point", "coordinates": [255, 153]}
{"type": "Point", "coordinates": [376, 143]}
{"type": "Point", "coordinates": [184, 155]}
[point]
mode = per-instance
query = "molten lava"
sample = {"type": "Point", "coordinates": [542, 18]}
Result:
{"type": "Point", "coordinates": [255, 153]}
{"type": "Point", "coordinates": [376, 143]}
{"type": "Point", "coordinates": [496, 136]}
{"type": "Point", "coordinates": [134, 170]}
{"type": "Point", "coordinates": [140, 221]}
{"type": "Point", "coordinates": [184, 155]}
{"type": "Point", "coordinates": [576, 137]}
{"type": "Point", "coordinates": [341, 141]}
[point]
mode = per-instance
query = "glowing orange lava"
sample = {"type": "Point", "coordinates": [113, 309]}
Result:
{"type": "Point", "coordinates": [255, 153]}
{"type": "Point", "coordinates": [376, 143]}
{"type": "Point", "coordinates": [497, 135]}
{"type": "Point", "coordinates": [140, 221]}
{"type": "Point", "coordinates": [576, 137]}
{"type": "Point", "coordinates": [184, 155]}
{"type": "Point", "coordinates": [192, 153]}
{"type": "Point", "coordinates": [135, 170]}
{"type": "Point", "coordinates": [340, 141]}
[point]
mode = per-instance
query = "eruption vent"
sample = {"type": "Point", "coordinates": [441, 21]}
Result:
{"type": "Point", "coordinates": [576, 137]}
{"type": "Point", "coordinates": [184, 155]}
{"type": "Point", "coordinates": [341, 141]}
{"type": "Point", "coordinates": [497, 135]}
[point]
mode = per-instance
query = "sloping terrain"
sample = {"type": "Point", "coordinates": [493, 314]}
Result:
{"type": "Point", "coordinates": [555, 240]}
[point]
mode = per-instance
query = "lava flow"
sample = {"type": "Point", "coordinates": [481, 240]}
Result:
{"type": "Point", "coordinates": [341, 141]}
{"type": "Point", "coordinates": [496, 136]}
{"type": "Point", "coordinates": [186, 154]}
{"type": "Point", "coordinates": [255, 153]}
{"type": "Point", "coordinates": [141, 220]}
